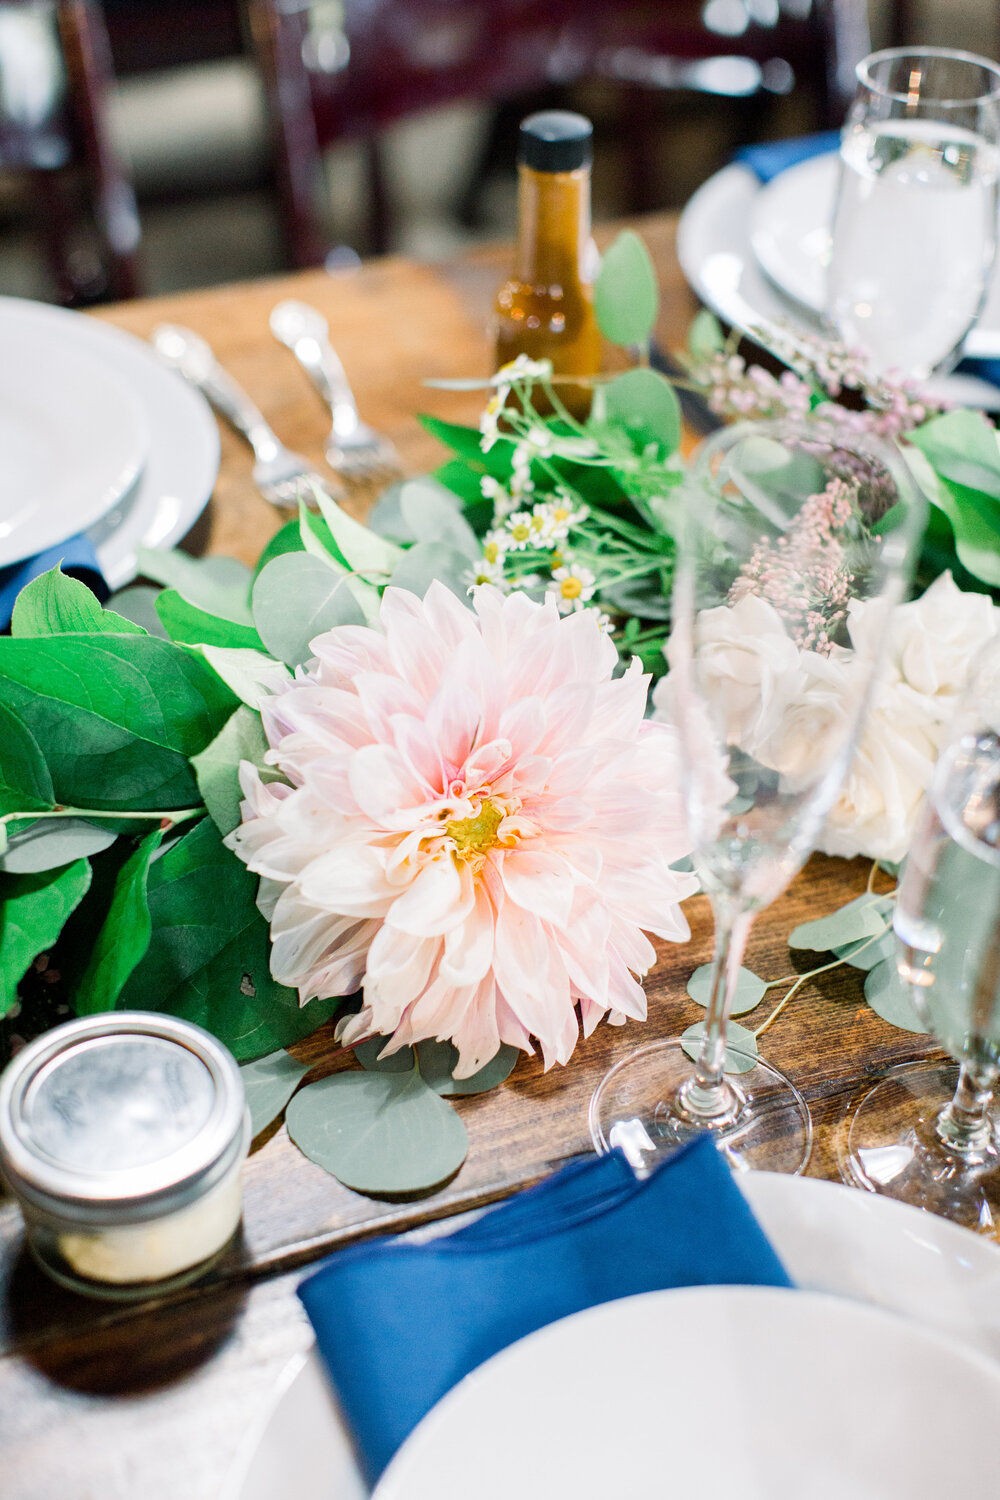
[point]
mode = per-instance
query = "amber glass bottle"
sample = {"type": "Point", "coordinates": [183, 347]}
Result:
{"type": "Point", "coordinates": [545, 310]}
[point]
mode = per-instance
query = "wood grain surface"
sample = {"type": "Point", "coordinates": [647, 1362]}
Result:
{"type": "Point", "coordinates": [99, 1402]}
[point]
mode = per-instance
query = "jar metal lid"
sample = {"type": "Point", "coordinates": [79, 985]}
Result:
{"type": "Point", "coordinates": [127, 1115]}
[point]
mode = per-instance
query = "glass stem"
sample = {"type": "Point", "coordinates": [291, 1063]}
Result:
{"type": "Point", "coordinates": [707, 1094]}
{"type": "Point", "coordinates": [964, 1125]}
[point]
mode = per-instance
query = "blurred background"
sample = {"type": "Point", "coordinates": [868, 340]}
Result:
{"type": "Point", "coordinates": [153, 145]}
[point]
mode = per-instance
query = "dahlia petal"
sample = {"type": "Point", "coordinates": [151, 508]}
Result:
{"type": "Point", "coordinates": [454, 719]}
{"type": "Point", "coordinates": [468, 948]}
{"type": "Point", "coordinates": [348, 880]}
{"type": "Point", "coordinates": [440, 897]}
{"type": "Point", "coordinates": [381, 696]}
{"type": "Point", "coordinates": [385, 786]}
{"type": "Point", "coordinates": [541, 883]}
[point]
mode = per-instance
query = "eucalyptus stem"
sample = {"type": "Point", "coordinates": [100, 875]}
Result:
{"type": "Point", "coordinates": [800, 980]}
{"type": "Point", "coordinates": [166, 816]}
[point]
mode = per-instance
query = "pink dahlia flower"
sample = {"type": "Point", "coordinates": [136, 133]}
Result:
{"type": "Point", "coordinates": [479, 824]}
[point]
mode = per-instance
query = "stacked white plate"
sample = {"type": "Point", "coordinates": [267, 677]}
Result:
{"type": "Point", "coordinates": [878, 1378]}
{"type": "Point", "coordinates": [756, 254]}
{"type": "Point", "coordinates": [96, 437]}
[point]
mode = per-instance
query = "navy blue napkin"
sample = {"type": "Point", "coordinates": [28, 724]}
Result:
{"type": "Point", "coordinates": [399, 1323]}
{"type": "Point", "coordinates": [76, 556]}
{"type": "Point", "coordinates": [771, 158]}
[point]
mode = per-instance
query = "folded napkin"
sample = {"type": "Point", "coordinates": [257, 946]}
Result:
{"type": "Point", "coordinates": [771, 158]}
{"type": "Point", "coordinates": [399, 1323]}
{"type": "Point", "coordinates": [76, 557]}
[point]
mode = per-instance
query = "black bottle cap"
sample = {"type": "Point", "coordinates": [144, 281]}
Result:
{"type": "Point", "coordinates": [556, 141]}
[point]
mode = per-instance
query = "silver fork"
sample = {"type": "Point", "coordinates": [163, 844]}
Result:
{"type": "Point", "coordinates": [280, 475]}
{"type": "Point", "coordinates": [358, 453]}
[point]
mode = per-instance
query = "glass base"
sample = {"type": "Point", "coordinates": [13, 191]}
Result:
{"type": "Point", "coordinates": [890, 1145]}
{"type": "Point", "coordinates": [767, 1125]}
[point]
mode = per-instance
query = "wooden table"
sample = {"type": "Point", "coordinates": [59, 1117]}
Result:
{"type": "Point", "coordinates": [99, 1402]}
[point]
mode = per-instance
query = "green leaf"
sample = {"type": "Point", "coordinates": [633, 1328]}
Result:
{"type": "Point", "coordinates": [317, 539]}
{"type": "Point", "coordinates": [626, 297]}
{"type": "Point", "coordinates": [437, 1064]}
{"type": "Point", "coordinates": [741, 1046]}
{"type": "Point", "coordinates": [124, 937]}
{"type": "Point", "coordinates": [864, 917]}
{"type": "Point", "coordinates": [431, 513]}
{"type": "Point", "coordinates": [891, 999]}
{"type": "Point", "coordinates": [964, 483]}
{"type": "Point", "coordinates": [269, 1083]}
{"type": "Point", "coordinates": [427, 561]}
{"type": "Point", "coordinates": [287, 539]}
{"type": "Point", "coordinates": [53, 604]}
{"type": "Point", "coordinates": [219, 585]}
{"type": "Point", "coordinates": [378, 1132]}
{"type": "Point", "coordinates": [25, 783]}
{"type": "Point", "coordinates": [867, 952]}
{"type": "Point", "coordinates": [705, 336]}
{"type": "Point", "coordinates": [750, 989]}
{"type": "Point", "coordinates": [50, 842]}
{"type": "Point", "coordinates": [646, 406]}
{"type": "Point", "coordinates": [297, 598]}
{"type": "Point", "coordinates": [209, 953]}
{"type": "Point", "coordinates": [217, 767]}
{"type": "Point", "coordinates": [363, 550]}
{"type": "Point", "coordinates": [33, 909]}
{"type": "Point", "coordinates": [192, 626]}
{"type": "Point", "coordinates": [467, 443]}
{"type": "Point", "coordinates": [138, 604]}
{"type": "Point", "coordinates": [251, 675]}
{"type": "Point", "coordinates": [118, 716]}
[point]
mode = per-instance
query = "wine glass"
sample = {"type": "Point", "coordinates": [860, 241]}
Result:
{"type": "Point", "coordinates": [785, 535]}
{"type": "Point", "coordinates": [915, 221]}
{"type": "Point", "coordinates": [926, 1134]}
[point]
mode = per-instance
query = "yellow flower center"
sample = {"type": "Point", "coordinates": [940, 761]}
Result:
{"type": "Point", "coordinates": [571, 588]}
{"type": "Point", "coordinates": [473, 836]}
{"type": "Point", "coordinates": [520, 532]}
{"type": "Point", "coordinates": [491, 552]}
{"type": "Point", "coordinates": [560, 513]}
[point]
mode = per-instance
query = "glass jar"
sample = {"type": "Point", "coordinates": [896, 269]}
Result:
{"type": "Point", "coordinates": [122, 1136]}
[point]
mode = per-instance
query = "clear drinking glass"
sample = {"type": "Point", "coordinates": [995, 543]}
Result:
{"type": "Point", "coordinates": [782, 527]}
{"type": "Point", "coordinates": [927, 1132]}
{"type": "Point", "coordinates": [915, 222]}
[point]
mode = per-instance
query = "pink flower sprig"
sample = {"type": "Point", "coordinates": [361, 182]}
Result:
{"type": "Point", "coordinates": [804, 575]}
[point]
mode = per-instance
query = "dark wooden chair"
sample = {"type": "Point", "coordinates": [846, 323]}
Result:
{"type": "Point", "coordinates": [342, 69]}
{"type": "Point", "coordinates": [55, 73]}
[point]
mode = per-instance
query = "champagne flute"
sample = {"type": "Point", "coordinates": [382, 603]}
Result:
{"type": "Point", "coordinates": [915, 221]}
{"type": "Point", "coordinates": [926, 1133]}
{"type": "Point", "coordinates": [784, 530]}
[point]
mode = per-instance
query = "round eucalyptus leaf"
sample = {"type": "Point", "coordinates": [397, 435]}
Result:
{"type": "Point", "coordinates": [750, 989]}
{"type": "Point", "coordinates": [431, 513]}
{"type": "Point", "coordinates": [367, 1054]}
{"type": "Point", "coordinates": [891, 999]}
{"type": "Point", "coordinates": [296, 598]}
{"type": "Point", "coordinates": [868, 952]}
{"type": "Point", "coordinates": [50, 842]}
{"type": "Point", "coordinates": [864, 917]}
{"type": "Point", "coordinates": [741, 1046]}
{"type": "Point", "coordinates": [378, 1132]}
{"type": "Point", "coordinates": [269, 1083]}
{"type": "Point", "coordinates": [419, 567]}
{"type": "Point", "coordinates": [437, 1063]}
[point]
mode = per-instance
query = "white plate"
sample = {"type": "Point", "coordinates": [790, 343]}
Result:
{"type": "Point", "coordinates": [759, 1392]}
{"type": "Point", "coordinates": [717, 258]}
{"type": "Point", "coordinates": [790, 236]}
{"type": "Point", "coordinates": [830, 1238]}
{"type": "Point", "coordinates": [182, 459]}
{"type": "Point", "coordinates": [72, 438]}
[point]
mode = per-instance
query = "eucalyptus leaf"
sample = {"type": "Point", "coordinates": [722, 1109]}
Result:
{"type": "Point", "coordinates": [25, 783]}
{"type": "Point", "coordinates": [431, 514]}
{"type": "Point", "coordinates": [705, 336]}
{"type": "Point", "coordinates": [750, 989]}
{"type": "Point", "coordinates": [364, 551]}
{"type": "Point", "coordinates": [269, 1083]}
{"type": "Point", "coordinates": [124, 935]}
{"type": "Point", "coordinates": [138, 604]}
{"type": "Point", "coordinates": [208, 959]}
{"type": "Point", "coordinates": [33, 909]}
{"type": "Point", "coordinates": [378, 1132]}
{"type": "Point", "coordinates": [186, 623]}
{"type": "Point", "coordinates": [118, 715]}
{"type": "Point", "coordinates": [297, 598]}
{"type": "Point", "coordinates": [864, 917]}
{"type": "Point", "coordinates": [219, 585]}
{"type": "Point", "coordinates": [53, 604]}
{"type": "Point", "coordinates": [891, 999]}
{"type": "Point", "coordinates": [645, 405]}
{"type": "Point", "coordinates": [868, 952]}
{"type": "Point", "coordinates": [437, 1064]}
{"type": "Point", "coordinates": [741, 1046]}
{"type": "Point", "coordinates": [427, 561]}
{"type": "Point", "coordinates": [626, 295]}
{"type": "Point", "coordinates": [217, 767]}
{"type": "Point", "coordinates": [50, 842]}
{"type": "Point", "coordinates": [251, 675]}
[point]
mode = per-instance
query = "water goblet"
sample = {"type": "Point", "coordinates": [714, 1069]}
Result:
{"type": "Point", "coordinates": [792, 552]}
{"type": "Point", "coordinates": [926, 1134]}
{"type": "Point", "coordinates": [915, 221]}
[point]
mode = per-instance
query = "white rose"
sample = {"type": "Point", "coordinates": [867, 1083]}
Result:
{"type": "Point", "coordinates": [933, 639]}
{"type": "Point", "coordinates": [805, 739]}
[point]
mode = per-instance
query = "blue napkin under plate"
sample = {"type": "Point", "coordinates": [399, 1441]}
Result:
{"type": "Point", "coordinates": [76, 557]}
{"type": "Point", "coordinates": [398, 1323]}
{"type": "Point", "coordinates": [769, 159]}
